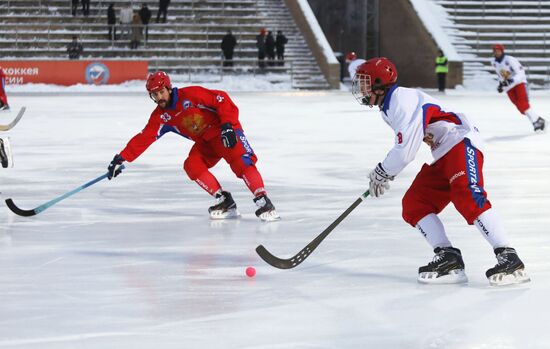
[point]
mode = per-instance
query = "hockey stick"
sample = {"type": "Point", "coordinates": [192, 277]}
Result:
{"type": "Point", "coordinates": [15, 121]}
{"type": "Point", "coordinates": [306, 251]}
{"type": "Point", "coordinates": [43, 207]}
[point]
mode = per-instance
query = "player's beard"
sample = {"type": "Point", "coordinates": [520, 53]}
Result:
{"type": "Point", "coordinates": [162, 103]}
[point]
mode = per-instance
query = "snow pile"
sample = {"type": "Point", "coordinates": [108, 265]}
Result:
{"type": "Point", "coordinates": [264, 82]}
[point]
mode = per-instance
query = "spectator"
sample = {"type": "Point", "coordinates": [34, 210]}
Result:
{"type": "Point", "coordinates": [74, 5]}
{"type": "Point", "coordinates": [86, 7]}
{"type": "Point", "coordinates": [163, 8]}
{"type": "Point", "coordinates": [260, 44]}
{"type": "Point", "coordinates": [74, 48]}
{"type": "Point", "coordinates": [145, 15]}
{"type": "Point", "coordinates": [228, 46]}
{"type": "Point", "coordinates": [137, 31]}
{"type": "Point", "coordinates": [126, 17]}
{"type": "Point", "coordinates": [270, 48]}
{"type": "Point", "coordinates": [111, 21]}
{"type": "Point", "coordinates": [441, 69]}
{"type": "Point", "coordinates": [280, 42]}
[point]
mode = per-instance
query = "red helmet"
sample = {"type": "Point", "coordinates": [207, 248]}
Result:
{"type": "Point", "coordinates": [498, 47]}
{"type": "Point", "coordinates": [376, 76]}
{"type": "Point", "coordinates": [351, 56]}
{"type": "Point", "coordinates": [157, 81]}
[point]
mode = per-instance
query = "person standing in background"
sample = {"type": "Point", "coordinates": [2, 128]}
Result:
{"type": "Point", "coordinates": [163, 9]}
{"type": "Point", "coordinates": [86, 7]}
{"type": "Point", "coordinates": [74, 48]}
{"type": "Point", "coordinates": [111, 21]}
{"type": "Point", "coordinates": [145, 15]}
{"type": "Point", "coordinates": [74, 6]}
{"type": "Point", "coordinates": [260, 44]}
{"type": "Point", "coordinates": [270, 48]}
{"type": "Point", "coordinates": [280, 42]}
{"type": "Point", "coordinates": [441, 69]}
{"type": "Point", "coordinates": [228, 46]}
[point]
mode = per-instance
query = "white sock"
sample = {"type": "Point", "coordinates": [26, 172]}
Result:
{"type": "Point", "coordinates": [490, 226]}
{"type": "Point", "coordinates": [531, 115]}
{"type": "Point", "coordinates": [433, 231]}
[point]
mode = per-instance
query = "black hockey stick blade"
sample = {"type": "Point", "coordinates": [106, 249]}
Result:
{"type": "Point", "coordinates": [18, 211]}
{"type": "Point", "coordinates": [299, 257]}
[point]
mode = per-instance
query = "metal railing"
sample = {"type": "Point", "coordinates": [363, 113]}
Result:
{"type": "Point", "coordinates": [514, 39]}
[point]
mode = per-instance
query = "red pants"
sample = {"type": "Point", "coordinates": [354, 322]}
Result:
{"type": "Point", "coordinates": [518, 96]}
{"type": "Point", "coordinates": [204, 155]}
{"type": "Point", "coordinates": [457, 177]}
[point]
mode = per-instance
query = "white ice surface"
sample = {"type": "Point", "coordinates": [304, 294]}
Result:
{"type": "Point", "coordinates": [136, 263]}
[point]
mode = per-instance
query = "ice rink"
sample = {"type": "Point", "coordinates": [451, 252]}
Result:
{"type": "Point", "coordinates": [136, 262]}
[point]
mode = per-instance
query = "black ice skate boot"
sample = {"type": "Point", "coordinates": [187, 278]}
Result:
{"type": "Point", "coordinates": [5, 153]}
{"type": "Point", "coordinates": [539, 124]}
{"type": "Point", "coordinates": [447, 267]}
{"type": "Point", "coordinates": [266, 210]}
{"type": "Point", "coordinates": [4, 106]}
{"type": "Point", "coordinates": [224, 208]}
{"type": "Point", "coordinates": [509, 269]}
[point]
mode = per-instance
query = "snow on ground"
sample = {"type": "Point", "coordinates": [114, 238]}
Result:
{"type": "Point", "coordinates": [136, 263]}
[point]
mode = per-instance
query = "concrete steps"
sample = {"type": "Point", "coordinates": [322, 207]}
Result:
{"type": "Point", "coordinates": [192, 35]}
{"type": "Point", "coordinates": [522, 26]}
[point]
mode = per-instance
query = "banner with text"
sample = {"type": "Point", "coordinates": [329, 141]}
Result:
{"type": "Point", "coordinates": [100, 72]}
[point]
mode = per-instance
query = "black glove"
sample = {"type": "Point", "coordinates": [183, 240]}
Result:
{"type": "Point", "coordinates": [229, 139]}
{"type": "Point", "coordinates": [500, 87]}
{"type": "Point", "coordinates": [115, 168]}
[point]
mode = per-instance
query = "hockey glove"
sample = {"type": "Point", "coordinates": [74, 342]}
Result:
{"type": "Point", "coordinates": [114, 167]}
{"type": "Point", "coordinates": [229, 139]}
{"type": "Point", "coordinates": [500, 87]}
{"type": "Point", "coordinates": [379, 181]}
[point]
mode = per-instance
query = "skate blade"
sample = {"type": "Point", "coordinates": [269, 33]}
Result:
{"type": "Point", "coordinates": [502, 279]}
{"type": "Point", "coordinates": [269, 216]}
{"type": "Point", "coordinates": [229, 214]}
{"type": "Point", "coordinates": [457, 276]}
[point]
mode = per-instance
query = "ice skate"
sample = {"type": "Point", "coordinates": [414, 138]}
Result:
{"type": "Point", "coordinates": [539, 124]}
{"type": "Point", "coordinates": [447, 267]}
{"type": "Point", "coordinates": [508, 270]}
{"type": "Point", "coordinates": [5, 153]}
{"type": "Point", "coordinates": [266, 211]}
{"type": "Point", "coordinates": [225, 208]}
{"type": "Point", "coordinates": [4, 107]}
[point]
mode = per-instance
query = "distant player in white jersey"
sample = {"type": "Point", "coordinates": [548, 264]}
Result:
{"type": "Point", "coordinates": [456, 175]}
{"type": "Point", "coordinates": [512, 79]}
{"type": "Point", "coordinates": [353, 62]}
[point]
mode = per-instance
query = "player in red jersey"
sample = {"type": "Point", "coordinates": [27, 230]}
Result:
{"type": "Point", "coordinates": [3, 98]}
{"type": "Point", "coordinates": [211, 120]}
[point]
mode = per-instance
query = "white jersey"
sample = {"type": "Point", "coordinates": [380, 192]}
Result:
{"type": "Point", "coordinates": [417, 117]}
{"type": "Point", "coordinates": [352, 67]}
{"type": "Point", "coordinates": [509, 68]}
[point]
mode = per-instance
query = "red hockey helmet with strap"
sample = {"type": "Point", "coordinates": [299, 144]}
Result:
{"type": "Point", "coordinates": [376, 76]}
{"type": "Point", "coordinates": [351, 56]}
{"type": "Point", "coordinates": [157, 81]}
{"type": "Point", "coordinates": [498, 47]}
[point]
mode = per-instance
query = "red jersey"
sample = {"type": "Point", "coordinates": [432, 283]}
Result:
{"type": "Point", "coordinates": [195, 113]}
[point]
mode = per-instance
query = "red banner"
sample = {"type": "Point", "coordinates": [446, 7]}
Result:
{"type": "Point", "coordinates": [100, 72]}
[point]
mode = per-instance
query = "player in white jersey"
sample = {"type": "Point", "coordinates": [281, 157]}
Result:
{"type": "Point", "coordinates": [456, 175]}
{"type": "Point", "coordinates": [353, 62]}
{"type": "Point", "coordinates": [512, 79]}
